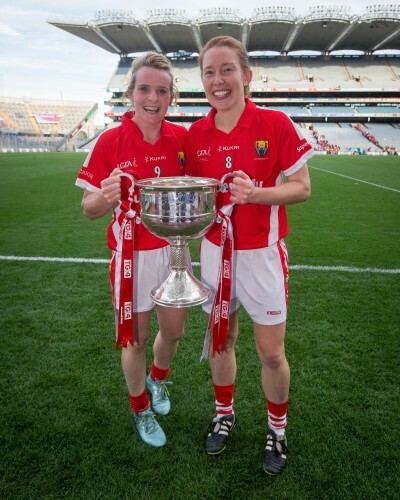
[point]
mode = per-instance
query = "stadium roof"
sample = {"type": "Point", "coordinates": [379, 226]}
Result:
{"type": "Point", "coordinates": [277, 29]}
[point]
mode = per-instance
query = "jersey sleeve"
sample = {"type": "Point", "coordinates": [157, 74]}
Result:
{"type": "Point", "coordinates": [294, 149]}
{"type": "Point", "coordinates": [96, 167]}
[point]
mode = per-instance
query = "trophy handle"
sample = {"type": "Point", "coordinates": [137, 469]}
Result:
{"type": "Point", "coordinates": [224, 187]}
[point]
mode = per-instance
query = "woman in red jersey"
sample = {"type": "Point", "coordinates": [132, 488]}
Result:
{"type": "Point", "coordinates": [144, 145]}
{"type": "Point", "coordinates": [267, 155]}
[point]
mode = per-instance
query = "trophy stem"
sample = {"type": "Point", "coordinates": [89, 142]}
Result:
{"type": "Point", "coordinates": [181, 288]}
{"type": "Point", "coordinates": [179, 255]}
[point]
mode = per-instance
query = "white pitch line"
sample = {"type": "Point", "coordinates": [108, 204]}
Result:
{"type": "Point", "coordinates": [80, 260]}
{"type": "Point", "coordinates": [355, 179]}
{"type": "Point", "coordinates": [77, 260]}
{"type": "Point", "coordinates": [345, 269]}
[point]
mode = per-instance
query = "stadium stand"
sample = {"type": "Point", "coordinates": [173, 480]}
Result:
{"type": "Point", "coordinates": [387, 135]}
{"type": "Point", "coordinates": [37, 124]}
{"type": "Point", "coordinates": [343, 136]}
{"type": "Point", "coordinates": [335, 73]}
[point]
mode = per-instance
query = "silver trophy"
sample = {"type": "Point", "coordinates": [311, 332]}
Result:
{"type": "Point", "coordinates": [179, 209]}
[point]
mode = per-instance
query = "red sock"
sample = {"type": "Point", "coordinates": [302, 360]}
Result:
{"type": "Point", "coordinates": [277, 415]}
{"type": "Point", "coordinates": [159, 373]}
{"type": "Point", "coordinates": [139, 403]}
{"type": "Point", "coordinates": [224, 399]}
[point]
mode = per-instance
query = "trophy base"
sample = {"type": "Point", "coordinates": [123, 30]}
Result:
{"type": "Point", "coordinates": [180, 289]}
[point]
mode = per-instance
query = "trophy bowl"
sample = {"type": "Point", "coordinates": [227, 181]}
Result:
{"type": "Point", "coordinates": [179, 209]}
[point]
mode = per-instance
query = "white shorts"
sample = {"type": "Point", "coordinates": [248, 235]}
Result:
{"type": "Point", "coordinates": [151, 268]}
{"type": "Point", "coordinates": [259, 280]}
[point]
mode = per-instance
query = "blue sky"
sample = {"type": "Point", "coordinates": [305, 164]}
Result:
{"type": "Point", "coordinates": [38, 60]}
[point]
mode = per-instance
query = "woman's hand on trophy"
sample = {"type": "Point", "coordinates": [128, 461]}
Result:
{"type": "Point", "coordinates": [111, 187]}
{"type": "Point", "coordinates": [242, 188]}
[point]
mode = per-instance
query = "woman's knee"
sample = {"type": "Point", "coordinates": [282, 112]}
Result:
{"type": "Point", "coordinates": [136, 348]}
{"type": "Point", "coordinates": [172, 335]}
{"type": "Point", "coordinates": [171, 323]}
{"type": "Point", "coordinates": [270, 344]}
{"type": "Point", "coordinates": [272, 359]}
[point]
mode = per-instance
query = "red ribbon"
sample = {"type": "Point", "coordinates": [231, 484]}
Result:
{"type": "Point", "coordinates": [218, 322]}
{"type": "Point", "coordinates": [125, 268]}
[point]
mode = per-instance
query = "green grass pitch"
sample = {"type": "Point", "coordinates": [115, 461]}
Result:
{"type": "Point", "coordinates": [65, 422]}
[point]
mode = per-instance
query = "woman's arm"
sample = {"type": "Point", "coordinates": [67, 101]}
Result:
{"type": "Point", "coordinates": [296, 189]}
{"type": "Point", "coordinates": [96, 205]}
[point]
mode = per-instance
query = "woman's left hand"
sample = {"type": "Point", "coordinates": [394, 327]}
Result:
{"type": "Point", "coordinates": [242, 189]}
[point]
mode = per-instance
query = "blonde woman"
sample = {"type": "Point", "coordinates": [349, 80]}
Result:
{"type": "Point", "coordinates": [144, 145]}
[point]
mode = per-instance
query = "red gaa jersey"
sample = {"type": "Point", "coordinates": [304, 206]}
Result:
{"type": "Point", "coordinates": [265, 144]}
{"type": "Point", "coordinates": [123, 147]}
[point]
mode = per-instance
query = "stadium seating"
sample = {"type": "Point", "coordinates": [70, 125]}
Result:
{"type": "Point", "coordinates": [306, 72]}
{"type": "Point", "coordinates": [42, 124]}
{"type": "Point", "coordinates": [387, 135]}
{"type": "Point", "coordinates": [328, 96]}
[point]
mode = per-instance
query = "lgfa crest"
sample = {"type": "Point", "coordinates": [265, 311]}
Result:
{"type": "Point", "coordinates": [181, 157]}
{"type": "Point", "coordinates": [261, 147]}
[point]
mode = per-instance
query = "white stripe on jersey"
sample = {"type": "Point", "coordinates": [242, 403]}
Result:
{"type": "Point", "coordinates": [86, 185]}
{"type": "Point", "coordinates": [302, 161]}
{"type": "Point", "coordinates": [273, 235]}
{"type": "Point", "coordinates": [297, 166]}
{"type": "Point", "coordinates": [297, 128]}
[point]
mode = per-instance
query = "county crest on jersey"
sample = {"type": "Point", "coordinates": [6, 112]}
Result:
{"type": "Point", "coordinates": [181, 157]}
{"type": "Point", "coordinates": [261, 147]}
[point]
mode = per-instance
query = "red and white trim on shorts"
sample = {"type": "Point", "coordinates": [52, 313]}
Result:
{"type": "Point", "coordinates": [283, 254]}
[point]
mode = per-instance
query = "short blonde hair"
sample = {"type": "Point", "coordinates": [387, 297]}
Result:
{"type": "Point", "coordinates": [151, 60]}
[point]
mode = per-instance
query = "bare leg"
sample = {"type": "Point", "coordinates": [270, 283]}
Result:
{"type": "Point", "coordinates": [133, 358]}
{"type": "Point", "coordinates": [171, 322]}
{"type": "Point", "coordinates": [223, 366]}
{"type": "Point", "coordinates": [275, 372]}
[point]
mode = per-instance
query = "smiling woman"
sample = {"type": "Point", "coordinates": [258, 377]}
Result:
{"type": "Point", "coordinates": [144, 145]}
{"type": "Point", "coordinates": [151, 92]}
{"type": "Point", "coordinates": [260, 147]}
